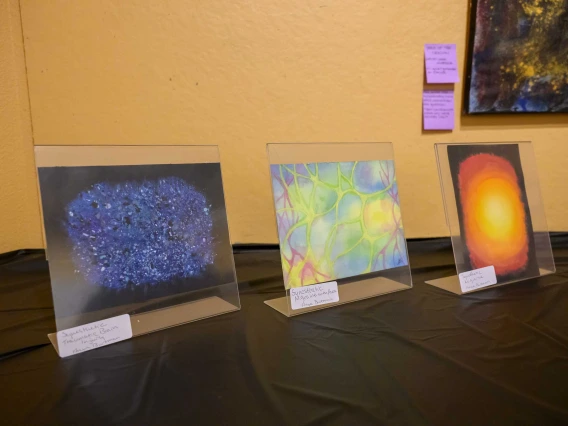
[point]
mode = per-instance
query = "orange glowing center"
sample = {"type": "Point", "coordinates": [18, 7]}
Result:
{"type": "Point", "coordinates": [494, 214]}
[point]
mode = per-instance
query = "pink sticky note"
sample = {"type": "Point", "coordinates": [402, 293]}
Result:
{"type": "Point", "coordinates": [441, 63]}
{"type": "Point", "coordinates": [438, 109]}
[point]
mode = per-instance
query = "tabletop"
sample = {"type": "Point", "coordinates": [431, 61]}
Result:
{"type": "Point", "coordinates": [417, 357]}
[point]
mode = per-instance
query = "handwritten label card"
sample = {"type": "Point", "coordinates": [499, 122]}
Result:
{"type": "Point", "coordinates": [438, 109]}
{"type": "Point", "coordinates": [93, 335]}
{"type": "Point", "coordinates": [314, 295]}
{"type": "Point", "coordinates": [441, 63]}
{"type": "Point", "coordinates": [478, 278]}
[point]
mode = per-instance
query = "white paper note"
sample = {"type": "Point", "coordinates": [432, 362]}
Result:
{"type": "Point", "coordinates": [314, 295]}
{"type": "Point", "coordinates": [93, 335]}
{"type": "Point", "coordinates": [478, 278]}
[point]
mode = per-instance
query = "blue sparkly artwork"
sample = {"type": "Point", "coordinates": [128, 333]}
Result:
{"type": "Point", "coordinates": [132, 234]}
{"type": "Point", "coordinates": [142, 236]}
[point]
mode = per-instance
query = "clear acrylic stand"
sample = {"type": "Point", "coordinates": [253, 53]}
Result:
{"type": "Point", "coordinates": [338, 218]}
{"type": "Point", "coordinates": [494, 212]}
{"type": "Point", "coordinates": [156, 214]}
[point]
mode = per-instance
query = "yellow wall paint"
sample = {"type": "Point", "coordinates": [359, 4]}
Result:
{"type": "Point", "coordinates": [19, 208]}
{"type": "Point", "coordinates": [243, 73]}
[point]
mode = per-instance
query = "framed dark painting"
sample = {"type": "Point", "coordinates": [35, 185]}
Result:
{"type": "Point", "coordinates": [518, 57]}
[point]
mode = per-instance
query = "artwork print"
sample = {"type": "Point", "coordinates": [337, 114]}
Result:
{"type": "Point", "coordinates": [518, 57]}
{"type": "Point", "coordinates": [337, 220]}
{"type": "Point", "coordinates": [493, 212]}
{"type": "Point", "coordinates": [126, 235]}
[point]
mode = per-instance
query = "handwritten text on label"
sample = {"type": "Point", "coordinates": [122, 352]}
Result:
{"type": "Point", "coordinates": [314, 295]}
{"type": "Point", "coordinates": [93, 335]}
{"type": "Point", "coordinates": [478, 278]}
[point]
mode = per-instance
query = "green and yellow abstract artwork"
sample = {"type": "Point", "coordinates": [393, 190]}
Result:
{"type": "Point", "coordinates": [337, 220]}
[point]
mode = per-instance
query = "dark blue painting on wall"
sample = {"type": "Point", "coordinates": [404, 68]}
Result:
{"type": "Point", "coordinates": [126, 235]}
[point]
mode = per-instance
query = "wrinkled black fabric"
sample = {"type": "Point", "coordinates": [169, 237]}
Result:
{"type": "Point", "coordinates": [422, 356]}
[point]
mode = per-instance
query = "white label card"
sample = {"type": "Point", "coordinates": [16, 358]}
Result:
{"type": "Point", "coordinates": [93, 335]}
{"type": "Point", "coordinates": [478, 278]}
{"type": "Point", "coordinates": [314, 295]}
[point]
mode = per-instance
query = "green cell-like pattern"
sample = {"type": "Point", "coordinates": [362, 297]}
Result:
{"type": "Point", "coordinates": [337, 220]}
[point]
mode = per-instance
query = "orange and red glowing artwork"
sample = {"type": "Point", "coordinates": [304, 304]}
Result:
{"type": "Point", "coordinates": [494, 216]}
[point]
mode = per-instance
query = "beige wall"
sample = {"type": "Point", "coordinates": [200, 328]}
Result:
{"type": "Point", "coordinates": [19, 209]}
{"type": "Point", "coordinates": [243, 73]}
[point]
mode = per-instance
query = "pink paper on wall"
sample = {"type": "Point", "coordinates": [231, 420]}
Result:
{"type": "Point", "coordinates": [441, 63]}
{"type": "Point", "coordinates": [438, 109]}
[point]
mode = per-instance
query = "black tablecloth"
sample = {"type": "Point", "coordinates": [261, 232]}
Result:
{"type": "Point", "coordinates": [422, 356]}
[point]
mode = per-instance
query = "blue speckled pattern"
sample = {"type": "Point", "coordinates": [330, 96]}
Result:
{"type": "Point", "coordinates": [137, 233]}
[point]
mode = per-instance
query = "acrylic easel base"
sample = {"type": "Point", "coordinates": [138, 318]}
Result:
{"type": "Point", "coordinates": [351, 292]}
{"type": "Point", "coordinates": [160, 319]}
{"type": "Point", "coordinates": [452, 283]}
